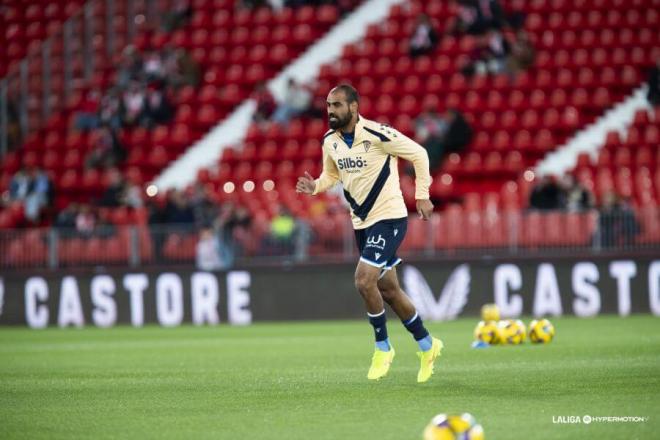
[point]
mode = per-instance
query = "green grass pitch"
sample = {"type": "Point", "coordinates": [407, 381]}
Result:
{"type": "Point", "coordinates": [308, 381]}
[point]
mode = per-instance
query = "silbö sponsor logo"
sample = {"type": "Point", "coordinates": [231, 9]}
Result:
{"type": "Point", "coordinates": [348, 163]}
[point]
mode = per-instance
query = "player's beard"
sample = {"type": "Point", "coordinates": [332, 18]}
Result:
{"type": "Point", "coordinates": [340, 123]}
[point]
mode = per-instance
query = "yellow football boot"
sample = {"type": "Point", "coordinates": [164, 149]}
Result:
{"type": "Point", "coordinates": [380, 364]}
{"type": "Point", "coordinates": [427, 358]}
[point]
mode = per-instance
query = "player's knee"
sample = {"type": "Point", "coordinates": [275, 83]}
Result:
{"type": "Point", "coordinates": [364, 281]}
{"type": "Point", "coordinates": [388, 289]}
{"type": "Point", "coordinates": [389, 293]}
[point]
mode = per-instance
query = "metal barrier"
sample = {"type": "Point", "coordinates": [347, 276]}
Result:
{"type": "Point", "coordinates": [46, 80]}
{"type": "Point", "coordinates": [452, 233]}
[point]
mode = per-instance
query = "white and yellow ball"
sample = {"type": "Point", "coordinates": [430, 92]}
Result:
{"type": "Point", "coordinates": [490, 312]}
{"type": "Point", "coordinates": [453, 427]}
{"type": "Point", "coordinates": [541, 331]}
{"type": "Point", "coordinates": [488, 332]}
{"type": "Point", "coordinates": [512, 331]}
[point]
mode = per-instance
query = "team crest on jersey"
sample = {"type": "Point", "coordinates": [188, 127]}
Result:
{"type": "Point", "coordinates": [334, 145]}
{"type": "Point", "coordinates": [367, 145]}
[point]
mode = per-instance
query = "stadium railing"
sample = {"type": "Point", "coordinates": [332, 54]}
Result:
{"type": "Point", "coordinates": [450, 234]}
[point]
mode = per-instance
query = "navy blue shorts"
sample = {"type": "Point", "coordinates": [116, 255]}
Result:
{"type": "Point", "coordinates": [379, 242]}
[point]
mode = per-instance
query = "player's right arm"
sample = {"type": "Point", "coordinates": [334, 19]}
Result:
{"type": "Point", "coordinates": [328, 178]}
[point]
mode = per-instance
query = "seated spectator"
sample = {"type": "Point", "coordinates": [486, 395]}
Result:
{"type": "Point", "coordinates": [265, 103]}
{"type": "Point", "coordinates": [230, 220]}
{"type": "Point", "coordinates": [87, 117]}
{"type": "Point", "coordinates": [39, 195]}
{"type": "Point", "coordinates": [424, 37]}
{"type": "Point", "coordinates": [85, 221]}
{"type": "Point", "coordinates": [204, 209]}
{"type": "Point", "coordinates": [66, 219]}
{"type": "Point", "coordinates": [157, 110]}
{"type": "Point", "coordinates": [19, 185]}
{"type": "Point", "coordinates": [13, 124]}
{"type": "Point", "coordinates": [133, 104]}
{"type": "Point", "coordinates": [477, 16]}
{"type": "Point", "coordinates": [441, 135]}
{"type": "Point", "coordinates": [653, 94]}
{"type": "Point", "coordinates": [178, 211]}
{"type": "Point", "coordinates": [112, 197]}
{"type": "Point", "coordinates": [107, 150]}
{"type": "Point", "coordinates": [547, 195]}
{"type": "Point", "coordinates": [297, 100]}
{"type": "Point", "coordinates": [282, 230]}
{"type": "Point", "coordinates": [617, 224]}
{"type": "Point", "coordinates": [522, 54]}
{"type": "Point", "coordinates": [576, 197]}
{"type": "Point", "coordinates": [109, 110]}
{"type": "Point", "coordinates": [130, 67]}
{"type": "Point", "coordinates": [490, 55]}
{"type": "Point", "coordinates": [178, 15]}
{"type": "Point", "coordinates": [181, 69]}
{"type": "Point", "coordinates": [153, 67]}
{"type": "Point", "coordinates": [253, 4]}
{"type": "Point", "coordinates": [132, 195]}
{"type": "Point", "coordinates": [208, 252]}
{"type": "Point", "coordinates": [34, 188]}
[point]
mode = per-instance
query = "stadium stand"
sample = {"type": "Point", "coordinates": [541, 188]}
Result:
{"type": "Point", "coordinates": [589, 55]}
{"type": "Point", "coordinates": [236, 48]}
{"type": "Point", "coordinates": [26, 26]}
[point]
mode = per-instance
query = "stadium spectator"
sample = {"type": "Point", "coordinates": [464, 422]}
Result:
{"type": "Point", "coordinates": [113, 195]}
{"type": "Point", "coordinates": [204, 209]}
{"type": "Point", "coordinates": [441, 135]}
{"type": "Point", "coordinates": [109, 110]}
{"type": "Point", "coordinates": [178, 211]}
{"type": "Point", "coordinates": [477, 16]}
{"type": "Point", "coordinates": [66, 219]}
{"type": "Point", "coordinates": [87, 116]}
{"type": "Point", "coordinates": [522, 54]}
{"type": "Point", "coordinates": [157, 110]}
{"type": "Point", "coordinates": [297, 100]}
{"type": "Point", "coordinates": [489, 56]}
{"type": "Point", "coordinates": [153, 66]}
{"type": "Point", "coordinates": [232, 220]}
{"type": "Point", "coordinates": [424, 38]}
{"type": "Point", "coordinates": [617, 224]}
{"type": "Point", "coordinates": [13, 124]}
{"type": "Point", "coordinates": [34, 188]}
{"type": "Point", "coordinates": [133, 104]}
{"type": "Point", "coordinates": [265, 103]}
{"type": "Point", "coordinates": [653, 94]}
{"type": "Point", "coordinates": [253, 4]}
{"type": "Point", "coordinates": [107, 150]}
{"type": "Point", "coordinates": [178, 15]}
{"type": "Point", "coordinates": [547, 195]}
{"type": "Point", "coordinates": [576, 197]}
{"type": "Point", "coordinates": [130, 67]}
{"type": "Point", "coordinates": [19, 185]}
{"type": "Point", "coordinates": [85, 221]}
{"type": "Point", "coordinates": [181, 69]}
{"type": "Point", "coordinates": [280, 239]}
{"type": "Point", "coordinates": [132, 195]}
{"type": "Point", "coordinates": [208, 252]}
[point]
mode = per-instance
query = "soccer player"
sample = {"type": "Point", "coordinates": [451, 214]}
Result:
{"type": "Point", "coordinates": [362, 155]}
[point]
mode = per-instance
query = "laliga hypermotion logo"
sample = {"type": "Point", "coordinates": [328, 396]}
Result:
{"type": "Point", "coordinates": [452, 299]}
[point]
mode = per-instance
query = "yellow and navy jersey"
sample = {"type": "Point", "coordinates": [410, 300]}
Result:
{"type": "Point", "coordinates": [369, 173]}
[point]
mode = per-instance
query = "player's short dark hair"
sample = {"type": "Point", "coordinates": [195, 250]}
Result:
{"type": "Point", "coordinates": [350, 92]}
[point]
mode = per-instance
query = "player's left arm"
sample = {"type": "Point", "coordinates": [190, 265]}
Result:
{"type": "Point", "coordinates": [402, 146]}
